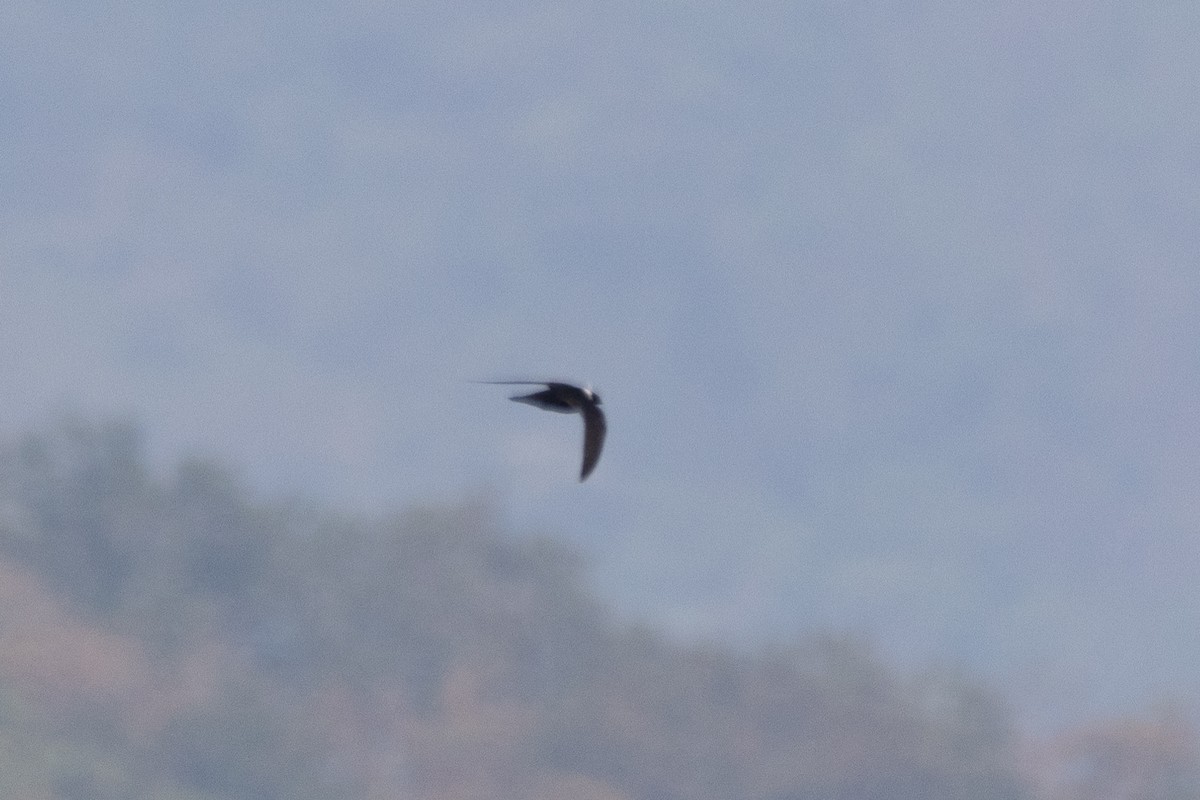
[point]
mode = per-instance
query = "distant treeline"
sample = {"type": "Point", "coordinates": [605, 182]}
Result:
{"type": "Point", "coordinates": [174, 636]}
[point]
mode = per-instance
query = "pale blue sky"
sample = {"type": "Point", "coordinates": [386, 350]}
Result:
{"type": "Point", "coordinates": [895, 308]}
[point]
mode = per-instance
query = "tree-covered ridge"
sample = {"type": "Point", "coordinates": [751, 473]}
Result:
{"type": "Point", "coordinates": [177, 637]}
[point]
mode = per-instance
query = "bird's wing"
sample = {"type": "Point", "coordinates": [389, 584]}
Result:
{"type": "Point", "coordinates": [594, 428]}
{"type": "Point", "coordinates": [548, 384]}
{"type": "Point", "coordinates": [550, 400]}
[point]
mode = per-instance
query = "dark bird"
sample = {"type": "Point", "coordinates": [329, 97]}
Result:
{"type": "Point", "coordinates": [567, 399]}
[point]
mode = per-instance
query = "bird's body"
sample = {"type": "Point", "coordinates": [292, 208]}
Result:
{"type": "Point", "coordinates": [567, 399]}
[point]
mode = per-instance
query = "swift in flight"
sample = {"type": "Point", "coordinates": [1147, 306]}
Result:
{"type": "Point", "coordinates": [567, 399]}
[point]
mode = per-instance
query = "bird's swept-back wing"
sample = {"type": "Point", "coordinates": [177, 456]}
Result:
{"type": "Point", "coordinates": [594, 428]}
{"type": "Point", "coordinates": [549, 400]}
{"type": "Point", "coordinates": [564, 389]}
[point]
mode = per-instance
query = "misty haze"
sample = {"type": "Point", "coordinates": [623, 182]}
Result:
{"type": "Point", "coordinates": [894, 308]}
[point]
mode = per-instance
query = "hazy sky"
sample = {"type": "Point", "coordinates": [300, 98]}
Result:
{"type": "Point", "coordinates": [894, 307]}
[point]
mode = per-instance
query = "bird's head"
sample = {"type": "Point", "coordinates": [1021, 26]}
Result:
{"type": "Point", "coordinates": [591, 395]}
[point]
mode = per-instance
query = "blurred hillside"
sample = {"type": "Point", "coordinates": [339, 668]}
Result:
{"type": "Point", "coordinates": [175, 637]}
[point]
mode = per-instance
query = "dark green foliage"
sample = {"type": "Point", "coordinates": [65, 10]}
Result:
{"type": "Point", "coordinates": [293, 653]}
